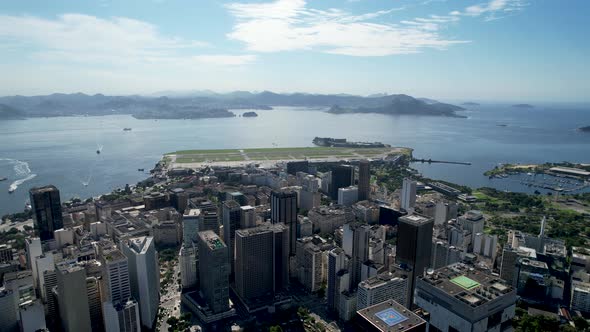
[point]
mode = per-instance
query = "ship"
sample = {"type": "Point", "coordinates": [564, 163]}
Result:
{"type": "Point", "coordinates": [140, 169]}
{"type": "Point", "coordinates": [126, 129]}
{"type": "Point", "coordinates": [3, 179]}
{"type": "Point", "coordinates": [11, 190]}
{"type": "Point", "coordinates": [97, 151]}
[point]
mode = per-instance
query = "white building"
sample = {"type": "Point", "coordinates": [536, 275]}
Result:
{"type": "Point", "coordinates": [247, 217]}
{"type": "Point", "coordinates": [188, 266]}
{"type": "Point", "coordinates": [33, 250]}
{"type": "Point", "coordinates": [144, 275]}
{"type": "Point", "coordinates": [64, 237]}
{"type": "Point", "coordinates": [190, 225]}
{"type": "Point", "coordinates": [381, 288]}
{"type": "Point", "coordinates": [408, 195]}
{"type": "Point", "coordinates": [348, 196]}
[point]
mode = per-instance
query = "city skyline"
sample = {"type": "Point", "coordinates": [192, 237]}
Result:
{"type": "Point", "coordinates": [497, 50]}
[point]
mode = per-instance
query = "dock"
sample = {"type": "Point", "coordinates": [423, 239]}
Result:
{"type": "Point", "coordinates": [430, 161]}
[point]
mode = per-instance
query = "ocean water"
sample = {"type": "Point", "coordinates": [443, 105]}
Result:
{"type": "Point", "coordinates": [62, 151]}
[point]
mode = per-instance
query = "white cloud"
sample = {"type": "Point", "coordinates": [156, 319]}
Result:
{"type": "Point", "coordinates": [118, 41]}
{"type": "Point", "coordinates": [287, 25]}
{"type": "Point", "coordinates": [494, 9]}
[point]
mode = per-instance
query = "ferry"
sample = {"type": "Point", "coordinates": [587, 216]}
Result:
{"type": "Point", "coordinates": [126, 129]}
{"type": "Point", "coordinates": [11, 190]}
{"type": "Point", "coordinates": [3, 179]}
{"type": "Point", "coordinates": [97, 151]}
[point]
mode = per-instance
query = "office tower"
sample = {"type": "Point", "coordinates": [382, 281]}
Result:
{"type": "Point", "coordinates": [297, 166]}
{"type": "Point", "coordinates": [473, 221]}
{"type": "Point", "coordinates": [248, 217]}
{"type": "Point", "coordinates": [337, 268]}
{"type": "Point", "coordinates": [414, 245]}
{"type": "Point", "coordinates": [188, 266]}
{"type": "Point", "coordinates": [355, 242]}
{"type": "Point", "coordinates": [309, 264]}
{"type": "Point", "coordinates": [144, 276]}
{"type": "Point", "coordinates": [33, 250]}
{"type": "Point", "coordinates": [116, 276]}
{"type": "Point", "coordinates": [122, 317]}
{"type": "Point", "coordinates": [8, 314]}
{"type": "Point", "coordinates": [178, 199]}
{"type": "Point", "coordinates": [209, 221]}
{"type": "Point", "coordinates": [94, 303]}
{"type": "Point", "coordinates": [46, 206]}
{"type": "Point", "coordinates": [408, 195]}
{"type": "Point", "coordinates": [32, 316]}
{"type": "Point", "coordinates": [43, 263]}
{"type": "Point", "coordinates": [348, 196]}
{"type": "Point", "coordinates": [261, 262]}
{"type": "Point", "coordinates": [389, 316]}
{"type": "Point", "coordinates": [283, 209]}
{"type": "Point", "coordinates": [190, 226]}
{"type": "Point", "coordinates": [214, 271]}
{"type": "Point", "coordinates": [232, 214]}
{"type": "Point", "coordinates": [464, 298]}
{"type": "Point", "coordinates": [50, 300]}
{"type": "Point", "coordinates": [364, 185]}
{"type": "Point", "coordinates": [342, 177]}
{"type": "Point", "coordinates": [5, 253]}
{"type": "Point", "coordinates": [72, 297]}
{"type": "Point", "coordinates": [385, 286]}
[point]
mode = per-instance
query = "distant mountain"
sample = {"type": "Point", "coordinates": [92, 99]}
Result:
{"type": "Point", "coordinates": [469, 103]}
{"type": "Point", "coordinates": [523, 106]}
{"type": "Point", "coordinates": [404, 105]}
{"type": "Point", "coordinates": [199, 104]}
{"type": "Point", "coordinates": [10, 113]}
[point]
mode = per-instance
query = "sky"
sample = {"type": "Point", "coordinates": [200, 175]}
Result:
{"type": "Point", "coordinates": [493, 50]}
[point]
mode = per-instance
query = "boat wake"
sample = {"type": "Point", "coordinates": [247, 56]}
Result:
{"type": "Point", "coordinates": [21, 170]}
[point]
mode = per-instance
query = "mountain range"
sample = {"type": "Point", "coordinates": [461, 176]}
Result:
{"type": "Point", "coordinates": [206, 104]}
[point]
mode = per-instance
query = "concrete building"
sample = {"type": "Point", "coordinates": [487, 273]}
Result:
{"type": "Point", "coordinates": [383, 287]}
{"type": "Point", "coordinates": [248, 217]}
{"type": "Point", "coordinates": [347, 195]}
{"type": "Point", "coordinates": [326, 219]}
{"type": "Point", "coordinates": [580, 297]}
{"type": "Point", "coordinates": [283, 209]}
{"type": "Point", "coordinates": [232, 215]}
{"type": "Point", "coordinates": [298, 166]}
{"type": "Point", "coordinates": [408, 195]}
{"type": "Point", "coordinates": [122, 317]}
{"type": "Point", "coordinates": [355, 242]}
{"type": "Point", "coordinates": [444, 212]}
{"type": "Point", "coordinates": [32, 316]}
{"type": "Point", "coordinates": [5, 253]}
{"type": "Point", "coordinates": [64, 237]}
{"type": "Point", "coordinates": [414, 245]}
{"type": "Point", "coordinates": [144, 276]}
{"type": "Point", "coordinates": [389, 316]}
{"type": "Point", "coordinates": [33, 250]}
{"type": "Point", "coordinates": [8, 310]}
{"type": "Point", "coordinates": [72, 297]}
{"type": "Point", "coordinates": [116, 282]}
{"type": "Point", "coordinates": [309, 264]}
{"type": "Point", "coordinates": [342, 177]}
{"type": "Point", "coordinates": [214, 271]}
{"type": "Point", "coordinates": [338, 277]}
{"type": "Point", "coordinates": [190, 226]}
{"type": "Point", "coordinates": [462, 298]}
{"type": "Point", "coordinates": [188, 266]}
{"type": "Point", "coordinates": [261, 263]}
{"type": "Point", "coordinates": [364, 185]}
{"type": "Point", "coordinates": [47, 214]}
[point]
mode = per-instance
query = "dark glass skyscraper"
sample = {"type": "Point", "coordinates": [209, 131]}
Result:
{"type": "Point", "coordinates": [46, 206]}
{"type": "Point", "coordinates": [342, 177]}
{"type": "Point", "coordinates": [364, 180]}
{"type": "Point", "coordinates": [283, 209]}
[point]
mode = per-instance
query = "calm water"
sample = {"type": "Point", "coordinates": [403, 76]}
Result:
{"type": "Point", "coordinates": [62, 151]}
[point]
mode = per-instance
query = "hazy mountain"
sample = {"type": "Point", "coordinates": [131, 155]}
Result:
{"type": "Point", "coordinates": [210, 104]}
{"type": "Point", "coordinates": [523, 106]}
{"type": "Point", "coordinates": [470, 103]}
{"type": "Point", "coordinates": [10, 113]}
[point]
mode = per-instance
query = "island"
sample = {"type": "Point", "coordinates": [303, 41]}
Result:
{"type": "Point", "coordinates": [469, 103]}
{"type": "Point", "coordinates": [523, 106]}
{"type": "Point", "coordinates": [584, 129]}
{"type": "Point", "coordinates": [249, 114]}
{"type": "Point", "coordinates": [184, 113]}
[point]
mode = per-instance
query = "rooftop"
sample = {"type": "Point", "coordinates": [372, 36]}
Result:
{"type": "Point", "coordinates": [212, 240]}
{"type": "Point", "coordinates": [415, 219]}
{"type": "Point", "coordinates": [470, 285]}
{"type": "Point", "coordinates": [390, 316]}
{"type": "Point", "coordinates": [263, 228]}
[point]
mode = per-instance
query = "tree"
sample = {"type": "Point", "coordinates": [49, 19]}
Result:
{"type": "Point", "coordinates": [275, 328]}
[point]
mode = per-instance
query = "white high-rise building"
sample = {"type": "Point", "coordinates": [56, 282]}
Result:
{"type": "Point", "coordinates": [190, 225]}
{"type": "Point", "coordinates": [43, 263]}
{"type": "Point", "coordinates": [248, 217]}
{"type": "Point", "coordinates": [33, 250]}
{"type": "Point", "coordinates": [408, 195]}
{"type": "Point", "coordinates": [188, 266]}
{"type": "Point", "coordinates": [381, 288]}
{"type": "Point", "coordinates": [348, 195]}
{"type": "Point", "coordinates": [144, 275]}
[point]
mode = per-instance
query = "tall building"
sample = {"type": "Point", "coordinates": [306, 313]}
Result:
{"type": "Point", "coordinates": [5, 253]}
{"type": "Point", "coordinates": [190, 225]}
{"type": "Point", "coordinates": [248, 217]}
{"type": "Point", "coordinates": [32, 316]}
{"type": "Point", "coordinates": [414, 245]}
{"type": "Point", "coordinates": [283, 209]}
{"type": "Point", "coordinates": [8, 313]}
{"type": "Point", "coordinates": [364, 185]}
{"type": "Point", "coordinates": [94, 303]}
{"type": "Point", "coordinates": [297, 166]}
{"type": "Point", "coordinates": [261, 262]}
{"type": "Point", "coordinates": [72, 299]}
{"type": "Point", "coordinates": [342, 177]}
{"type": "Point", "coordinates": [232, 214]}
{"type": "Point", "coordinates": [214, 271]}
{"type": "Point", "coordinates": [50, 301]}
{"type": "Point", "coordinates": [144, 276]}
{"type": "Point", "coordinates": [383, 287]}
{"type": "Point", "coordinates": [188, 266]}
{"type": "Point", "coordinates": [116, 276]}
{"type": "Point", "coordinates": [355, 242]}
{"type": "Point", "coordinates": [338, 264]}
{"type": "Point", "coordinates": [348, 196]}
{"type": "Point", "coordinates": [46, 206]}
{"type": "Point", "coordinates": [408, 195]}
{"type": "Point", "coordinates": [309, 264]}
{"type": "Point", "coordinates": [33, 250]}
{"type": "Point", "coordinates": [122, 317]}
{"type": "Point", "coordinates": [463, 298]}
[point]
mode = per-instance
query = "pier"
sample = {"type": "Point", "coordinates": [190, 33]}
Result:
{"type": "Point", "coordinates": [430, 161]}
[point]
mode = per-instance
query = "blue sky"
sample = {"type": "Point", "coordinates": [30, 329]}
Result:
{"type": "Point", "coordinates": [501, 50]}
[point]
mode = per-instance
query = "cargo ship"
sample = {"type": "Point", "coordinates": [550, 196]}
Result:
{"type": "Point", "coordinates": [343, 143]}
